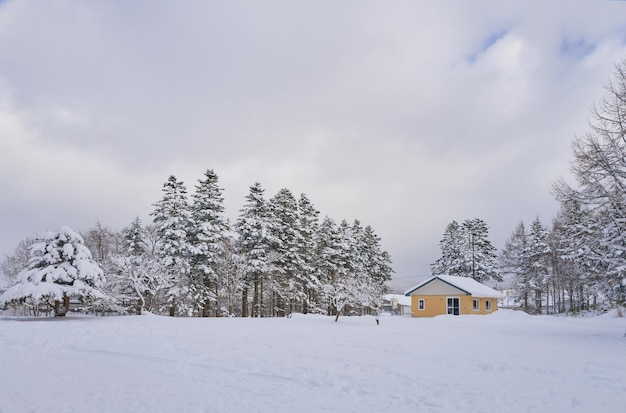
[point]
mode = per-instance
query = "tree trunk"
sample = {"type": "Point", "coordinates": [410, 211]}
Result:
{"type": "Point", "coordinates": [244, 302]}
{"type": "Point", "coordinates": [255, 299]}
{"type": "Point", "coordinates": [61, 311]}
{"type": "Point", "coordinates": [172, 311]}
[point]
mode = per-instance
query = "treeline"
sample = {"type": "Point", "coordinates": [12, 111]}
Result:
{"type": "Point", "coordinates": [277, 258]}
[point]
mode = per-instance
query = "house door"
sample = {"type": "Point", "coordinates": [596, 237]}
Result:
{"type": "Point", "coordinates": [453, 305]}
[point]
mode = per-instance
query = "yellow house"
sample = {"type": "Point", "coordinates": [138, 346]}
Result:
{"type": "Point", "coordinates": [447, 294]}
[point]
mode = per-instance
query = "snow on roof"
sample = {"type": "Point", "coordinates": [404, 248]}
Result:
{"type": "Point", "coordinates": [402, 299]}
{"type": "Point", "coordinates": [467, 284]}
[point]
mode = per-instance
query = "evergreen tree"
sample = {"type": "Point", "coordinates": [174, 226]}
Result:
{"type": "Point", "coordinates": [133, 238]}
{"type": "Point", "coordinates": [254, 227]}
{"type": "Point", "coordinates": [467, 252]}
{"type": "Point", "coordinates": [207, 239]}
{"type": "Point", "coordinates": [172, 221]}
{"type": "Point", "coordinates": [60, 267]}
{"type": "Point", "coordinates": [376, 267]}
{"type": "Point", "coordinates": [344, 288]}
{"type": "Point", "coordinates": [479, 255]}
{"type": "Point", "coordinates": [308, 226]}
{"type": "Point", "coordinates": [538, 264]}
{"type": "Point", "coordinates": [451, 245]}
{"type": "Point", "coordinates": [289, 288]}
{"type": "Point", "coordinates": [331, 264]}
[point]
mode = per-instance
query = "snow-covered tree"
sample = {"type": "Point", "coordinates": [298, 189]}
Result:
{"type": "Point", "coordinates": [343, 289]}
{"type": "Point", "coordinates": [172, 221]}
{"type": "Point", "coordinates": [376, 266]}
{"type": "Point", "coordinates": [479, 254]}
{"type": "Point", "coordinates": [134, 240]}
{"type": "Point", "coordinates": [451, 245]}
{"type": "Point", "coordinates": [255, 229]}
{"type": "Point", "coordinates": [207, 238]}
{"type": "Point", "coordinates": [537, 253]}
{"type": "Point", "coordinates": [137, 281]}
{"type": "Point", "coordinates": [104, 243]}
{"type": "Point", "coordinates": [231, 278]}
{"type": "Point", "coordinates": [512, 258]}
{"type": "Point", "coordinates": [60, 267]}
{"type": "Point", "coordinates": [352, 267]}
{"type": "Point", "coordinates": [599, 167]}
{"type": "Point", "coordinates": [288, 288]}
{"type": "Point", "coordinates": [331, 263]}
{"type": "Point", "coordinates": [467, 252]}
{"type": "Point", "coordinates": [308, 226]}
{"type": "Point", "coordinates": [14, 263]}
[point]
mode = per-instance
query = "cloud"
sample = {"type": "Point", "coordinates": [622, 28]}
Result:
{"type": "Point", "coordinates": [404, 115]}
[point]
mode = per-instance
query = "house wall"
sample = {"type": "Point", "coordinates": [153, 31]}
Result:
{"type": "Point", "coordinates": [482, 307]}
{"type": "Point", "coordinates": [437, 305]}
{"type": "Point", "coordinates": [434, 305]}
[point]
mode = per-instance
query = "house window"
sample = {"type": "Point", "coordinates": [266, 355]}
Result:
{"type": "Point", "coordinates": [421, 304]}
{"type": "Point", "coordinates": [476, 304]}
{"type": "Point", "coordinates": [488, 305]}
{"type": "Point", "coordinates": [453, 306]}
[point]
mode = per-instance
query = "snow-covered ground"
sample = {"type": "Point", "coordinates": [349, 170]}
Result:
{"type": "Point", "coordinates": [508, 362]}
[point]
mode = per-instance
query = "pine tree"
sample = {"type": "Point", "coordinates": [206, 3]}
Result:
{"type": "Point", "coordinates": [133, 238]}
{"type": "Point", "coordinates": [289, 286]}
{"type": "Point", "coordinates": [538, 264]}
{"type": "Point", "coordinates": [467, 252]}
{"type": "Point", "coordinates": [172, 221]}
{"type": "Point", "coordinates": [451, 245]}
{"type": "Point", "coordinates": [479, 255]}
{"type": "Point", "coordinates": [308, 226]}
{"type": "Point", "coordinates": [346, 284]}
{"type": "Point", "coordinates": [60, 267]}
{"type": "Point", "coordinates": [207, 239]}
{"type": "Point", "coordinates": [331, 264]}
{"type": "Point", "coordinates": [254, 227]}
{"type": "Point", "coordinates": [377, 266]}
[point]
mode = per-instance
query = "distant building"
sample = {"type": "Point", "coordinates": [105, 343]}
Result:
{"type": "Point", "coordinates": [446, 294]}
{"type": "Point", "coordinates": [396, 304]}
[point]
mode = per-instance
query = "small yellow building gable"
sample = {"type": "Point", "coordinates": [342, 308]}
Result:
{"type": "Point", "coordinates": [446, 294]}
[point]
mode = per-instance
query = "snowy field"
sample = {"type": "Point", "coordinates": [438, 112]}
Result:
{"type": "Point", "coordinates": [508, 362]}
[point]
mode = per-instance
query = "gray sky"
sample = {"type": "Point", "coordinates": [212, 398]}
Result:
{"type": "Point", "coordinates": [406, 115]}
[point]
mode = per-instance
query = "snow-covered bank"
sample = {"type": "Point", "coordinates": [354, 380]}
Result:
{"type": "Point", "coordinates": [506, 361]}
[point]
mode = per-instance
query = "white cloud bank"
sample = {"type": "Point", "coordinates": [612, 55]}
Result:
{"type": "Point", "coordinates": [403, 115]}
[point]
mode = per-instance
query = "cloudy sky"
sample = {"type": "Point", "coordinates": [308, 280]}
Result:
{"type": "Point", "coordinates": [406, 115]}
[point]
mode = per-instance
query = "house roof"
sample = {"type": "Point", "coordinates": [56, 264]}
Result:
{"type": "Point", "coordinates": [402, 299]}
{"type": "Point", "coordinates": [468, 285]}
